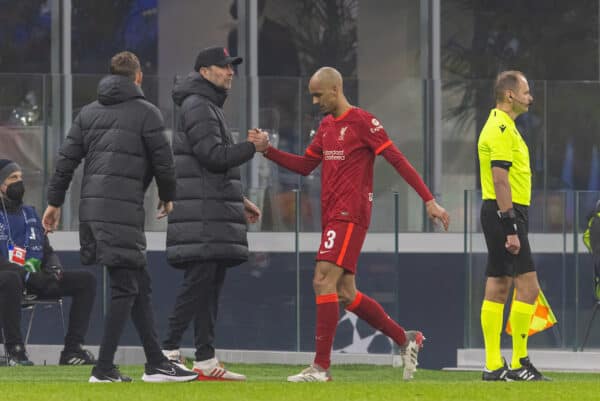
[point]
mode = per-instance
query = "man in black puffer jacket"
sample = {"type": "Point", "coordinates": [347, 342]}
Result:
{"type": "Point", "coordinates": [207, 229]}
{"type": "Point", "coordinates": [122, 138]}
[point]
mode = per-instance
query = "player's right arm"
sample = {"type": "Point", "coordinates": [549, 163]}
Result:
{"type": "Point", "coordinates": [304, 164]}
{"type": "Point", "coordinates": [69, 157]}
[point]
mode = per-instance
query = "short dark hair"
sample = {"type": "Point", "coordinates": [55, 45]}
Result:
{"type": "Point", "coordinates": [506, 80]}
{"type": "Point", "coordinates": [125, 63]}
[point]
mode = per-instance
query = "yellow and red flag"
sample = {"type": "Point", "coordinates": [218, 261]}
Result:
{"type": "Point", "coordinates": [542, 317]}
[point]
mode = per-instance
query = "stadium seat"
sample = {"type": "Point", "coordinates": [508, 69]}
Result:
{"type": "Point", "coordinates": [30, 304]}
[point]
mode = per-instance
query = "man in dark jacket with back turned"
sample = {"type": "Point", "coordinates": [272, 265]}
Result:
{"type": "Point", "coordinates": [122, 138]}
{"type": "Point", "coordinates": [207, 229]}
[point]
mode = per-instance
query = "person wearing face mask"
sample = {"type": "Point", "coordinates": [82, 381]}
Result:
{"type": "Point", "coordinates": [28, 262]}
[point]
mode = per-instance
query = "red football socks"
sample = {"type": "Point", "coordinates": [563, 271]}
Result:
{"type": "Point", "coordinates": [372, 312]}
{"type": "Point", "coordinates": [328, 314]}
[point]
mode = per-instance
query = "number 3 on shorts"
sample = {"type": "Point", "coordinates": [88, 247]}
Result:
{"type": "Point", "coordinates": [330, 239]}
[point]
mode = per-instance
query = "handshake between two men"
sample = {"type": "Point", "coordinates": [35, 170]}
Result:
{"type": "Point", "coordinates": [259, 138]}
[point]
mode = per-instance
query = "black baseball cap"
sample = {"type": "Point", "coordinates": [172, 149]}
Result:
{"type": "Point", "coordinates": [215, 56]}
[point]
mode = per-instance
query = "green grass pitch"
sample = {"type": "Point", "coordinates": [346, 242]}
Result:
{"type": "Point", "coordinates": [267, 382]}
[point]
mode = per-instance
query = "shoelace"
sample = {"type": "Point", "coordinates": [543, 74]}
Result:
{"type": "Point", "coordinates": [115, 370]}
{"type": "Point", "coordinates": [84, 354]}
{"type": "Point", "coordinates": [311, 370]}
{"type": "Point", "coordinates": [529, 366]}
{"type": "Point", "coordinates": [89, 355]}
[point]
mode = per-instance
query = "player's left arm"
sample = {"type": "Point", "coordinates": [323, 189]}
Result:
{"type": "Point", "coordinates": [396, 158]}
{"type": "Point", "coordinates": [378, 140]}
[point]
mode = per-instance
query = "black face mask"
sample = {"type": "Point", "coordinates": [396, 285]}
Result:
{"type": "Point", "coordinates": [15, 191]}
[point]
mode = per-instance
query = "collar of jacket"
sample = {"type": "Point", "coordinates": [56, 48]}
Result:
{"type": "Point", "coordinates": [114, 89]}
{"type": "Point", "coordinates": [194, 84]}
{"type": "Point", "coordinates": [10, 205]}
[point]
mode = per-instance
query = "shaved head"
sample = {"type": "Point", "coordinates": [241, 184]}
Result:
{"type": "Point", "coordinates": [327, 90]}
{"type": "Point", "coordinates": [328, 77]}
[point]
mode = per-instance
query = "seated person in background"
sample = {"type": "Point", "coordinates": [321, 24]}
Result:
{"type": "Point", "coordinates": [27, 261]}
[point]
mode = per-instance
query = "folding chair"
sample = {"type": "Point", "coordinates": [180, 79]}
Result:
{"type": "Point", "coordinates": [30, 304]}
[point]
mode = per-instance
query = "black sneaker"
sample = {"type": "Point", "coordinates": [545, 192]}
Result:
{"type": "Point", "coordinates": [167, 371]}
{"type": "Point", "coordinates": [527, 372]}
{"type": "Point", "coordinates": [76, 356]}
{"type": "Point", "coordinates": [499, 374]}
{"type": "Point", "coordinates": [112, 375]}
{"type": "Point", "coordinates": [16, 356]}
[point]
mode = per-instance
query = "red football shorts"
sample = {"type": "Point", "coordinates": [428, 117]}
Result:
{"type": "Point", "coordinates": [341, 243]}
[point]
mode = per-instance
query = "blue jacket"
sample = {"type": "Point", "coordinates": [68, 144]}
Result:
{"type": "Point", "coordinates": [25, 229]}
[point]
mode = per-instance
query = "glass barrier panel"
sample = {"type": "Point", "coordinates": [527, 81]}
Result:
{"type": "Point", "coordinates": [23, 129]}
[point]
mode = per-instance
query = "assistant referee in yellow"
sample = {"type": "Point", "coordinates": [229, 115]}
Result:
{"type": "Point", "coordinates": [506, 191]}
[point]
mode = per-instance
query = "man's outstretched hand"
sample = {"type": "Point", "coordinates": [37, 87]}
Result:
{"type": "Point", "coordinates": [259, 138]}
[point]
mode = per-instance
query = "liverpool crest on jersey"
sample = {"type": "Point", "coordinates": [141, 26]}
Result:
{"type": "Point", "coordinates": [342, 133]}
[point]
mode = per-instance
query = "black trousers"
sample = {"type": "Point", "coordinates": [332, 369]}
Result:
{"type": "Point", "coordinates": [80, 285]}
{"type": "Point", "coordinates": [11, 292]}
{"type": "Point", "coordinates": [198, 301]}
{"type": "Point", "coordinates": [130, 295]}
{"type": "Point", "coordinates": [596, 260]}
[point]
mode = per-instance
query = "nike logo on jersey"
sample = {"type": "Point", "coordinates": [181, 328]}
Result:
{"type": "Point", "coordinates": [322, 252]}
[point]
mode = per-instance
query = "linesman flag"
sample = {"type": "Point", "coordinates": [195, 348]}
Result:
{"type": "Point", "coordinates": [542, 319]}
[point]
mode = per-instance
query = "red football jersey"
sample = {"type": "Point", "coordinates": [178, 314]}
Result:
{"type": "Point", "coordinates": [347, 146]}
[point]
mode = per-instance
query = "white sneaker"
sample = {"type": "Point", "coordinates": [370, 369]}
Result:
{"type": "Point", "coordinates": [175, 357]}
{"type": "Point", "coordinates": [410, 353]}
{"type": "Point", "coordinates": [212, 369]}
{"type": "Point", "coordinates": [311, 374]}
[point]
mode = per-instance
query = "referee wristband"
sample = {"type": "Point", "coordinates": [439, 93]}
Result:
{"type": "Point", "coordinates": [508, 220]}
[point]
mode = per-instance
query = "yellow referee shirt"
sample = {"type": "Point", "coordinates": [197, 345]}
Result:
{"type": "Point", "coordinates": [501, 144]}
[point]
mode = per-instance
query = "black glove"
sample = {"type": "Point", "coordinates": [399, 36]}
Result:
{"type": "Point", "coordinates": [41, 282]}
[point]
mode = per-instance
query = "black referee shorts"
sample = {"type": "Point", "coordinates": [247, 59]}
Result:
{"type": "Point", "coordinates": [501, 262]}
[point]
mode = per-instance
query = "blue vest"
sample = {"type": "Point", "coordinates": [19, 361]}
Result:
{"type": "Point", "coordinates": [25, 230]}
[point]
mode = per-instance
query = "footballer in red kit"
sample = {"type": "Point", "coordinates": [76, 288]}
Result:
{"type": "Point", "coordinates": [346, 143]}
{"type": "Point", "coordinates": [347, 147]}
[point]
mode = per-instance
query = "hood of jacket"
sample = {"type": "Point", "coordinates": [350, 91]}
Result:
{"type": "Point", "coordinates": [114, 89]}
{"type": "Point", "coordinates": [194, 84]}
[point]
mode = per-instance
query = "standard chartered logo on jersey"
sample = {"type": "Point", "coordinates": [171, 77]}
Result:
{"type": "Point", "coordinates": [334, 155]}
